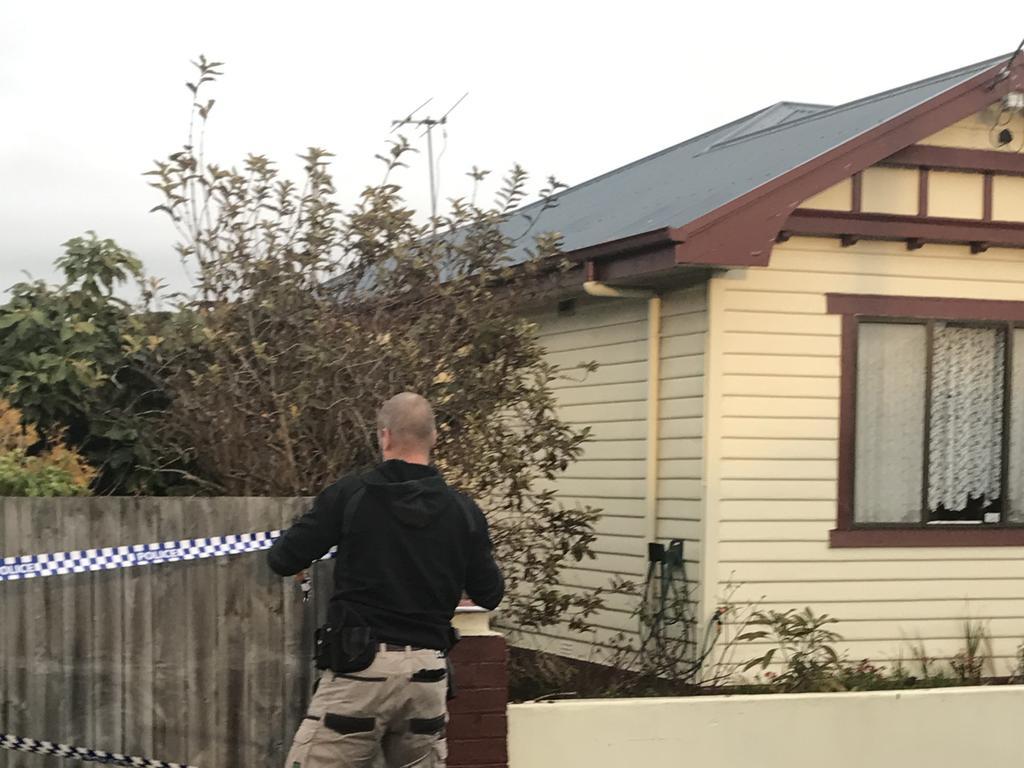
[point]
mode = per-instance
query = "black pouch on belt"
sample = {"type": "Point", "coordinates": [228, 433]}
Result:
{"type": "Point", "coordinates": [348, 648]}
{"type": "Point", "coordinates": [453, 638]}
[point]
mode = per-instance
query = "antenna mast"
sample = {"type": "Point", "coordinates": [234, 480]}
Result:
{"type": "Point", "coordinates": [428, 124]}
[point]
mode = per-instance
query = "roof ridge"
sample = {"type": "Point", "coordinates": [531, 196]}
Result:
{"type": "Point", "coordinates": [789, 103]}
{"type": "Point", "coordinates": [645, 158]}
{"type": "Point", "coordinates": [951, 74]}
{"type": "Point", "coordinates": [686, 181]}
{"type": "Point", "coordinates": [739, 133]}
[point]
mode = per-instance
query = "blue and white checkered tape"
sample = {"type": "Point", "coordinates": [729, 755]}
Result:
{"type": "Point", "coordinates": [37, 747]}
{"type": "Point", "coordinates": [111, 558]}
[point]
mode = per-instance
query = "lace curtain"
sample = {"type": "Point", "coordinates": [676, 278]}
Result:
{"type": "Point", "coordinates": [966, 424]}
{"type": "Point", "coordinates": [1015, 475]}
{"type": "Point", "coordinates": [889, 474]}
{"type": "Point", "coordinates": [965, 427]}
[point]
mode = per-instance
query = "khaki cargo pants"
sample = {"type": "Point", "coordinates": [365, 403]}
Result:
{"type": "Point", "coordinates": [390, 714]}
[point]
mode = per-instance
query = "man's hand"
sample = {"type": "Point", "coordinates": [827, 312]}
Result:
{"type": "Point", "coordinates": [302, 579]}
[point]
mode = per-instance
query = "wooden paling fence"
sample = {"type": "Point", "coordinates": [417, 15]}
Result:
{"type": "Point", "coordinates": [204, 662]}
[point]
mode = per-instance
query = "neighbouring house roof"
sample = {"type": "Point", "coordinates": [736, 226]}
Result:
{"type": "Point", "coordinates": [679, 185]}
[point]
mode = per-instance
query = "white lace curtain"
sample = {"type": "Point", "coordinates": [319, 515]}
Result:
{"type": "Point", "coordinates": [966, 424]}
{"type": "Point", "coordinates": [1015, 471]}
{"type": "Point", "coordinates": [889, 475]}
{"type": "Point", "coordinates": [965, 429]}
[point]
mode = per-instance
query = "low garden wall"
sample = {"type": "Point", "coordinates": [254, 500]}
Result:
{"type": "Point", "coordinates": [886, 729]}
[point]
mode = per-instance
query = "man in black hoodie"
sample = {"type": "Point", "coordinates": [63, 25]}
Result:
{"type": "Point", "coordinates": [408, 548]}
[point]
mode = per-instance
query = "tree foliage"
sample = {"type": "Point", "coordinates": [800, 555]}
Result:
{"type": "Point", "coordinates": [55, 471]}
{"type": "Point", "coordinates": [305, 317]}
{"type": "Point", "coordinates": [73, 360]}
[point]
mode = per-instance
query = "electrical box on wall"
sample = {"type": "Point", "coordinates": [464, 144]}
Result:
{"type": "Point", "coordinates": [669, 555]}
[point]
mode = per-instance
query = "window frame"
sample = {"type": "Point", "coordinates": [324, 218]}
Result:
{"type": "Point", "coordinates": [857, 308]}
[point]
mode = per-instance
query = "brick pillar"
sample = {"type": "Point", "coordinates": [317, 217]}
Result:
{"type": "Point", "coordinates": [477, 731]}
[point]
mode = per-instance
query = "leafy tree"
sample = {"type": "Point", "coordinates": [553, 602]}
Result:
{"type": "Point", "coordinates": [72, 359]}
{"type": "Point", "coordinates": [305, 317]}
{"type": "Point", "coordinates": [57, 471]}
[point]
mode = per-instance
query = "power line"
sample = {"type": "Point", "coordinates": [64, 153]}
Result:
{"type": "Point", "coordinates": [1015, 54]}
{"type": "Point", "coordinates": [1005, 71]}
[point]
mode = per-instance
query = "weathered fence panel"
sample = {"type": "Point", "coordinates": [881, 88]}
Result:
{"type": "Point", "coordinates": [204, 662]}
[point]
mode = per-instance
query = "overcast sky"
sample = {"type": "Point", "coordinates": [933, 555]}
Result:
{"type": "Point", "coordinates": [91, 92]}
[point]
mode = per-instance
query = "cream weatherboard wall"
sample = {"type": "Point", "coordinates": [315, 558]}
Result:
{"type": "Point", "coordinates": [768, 391]}
{"type": "Point", "coordinates": [610, 476]}
{"type": "Point", "coordinates": [952, 194]}
{"type": "Point", "coordinates": [980, 131]}
{"type": "Point", "coordinates": [773, 416]}
{"type": "Point", "coordinates": [773, 419]}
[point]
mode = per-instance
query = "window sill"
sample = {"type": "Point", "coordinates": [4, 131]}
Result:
{"type": "Point", "coordinates": [945, 536]}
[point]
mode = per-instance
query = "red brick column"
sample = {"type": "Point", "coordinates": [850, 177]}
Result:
{"type": "Point", "coordinates": [477, 731]}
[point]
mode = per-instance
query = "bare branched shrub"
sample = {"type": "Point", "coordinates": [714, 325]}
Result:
{"type": "Point", "coordinates": [304, 317]}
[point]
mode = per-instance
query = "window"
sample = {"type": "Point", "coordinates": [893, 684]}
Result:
{"type": "Point", "coordinates": [931, 423]}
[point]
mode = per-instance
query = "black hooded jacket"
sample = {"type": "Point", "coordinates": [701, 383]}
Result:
{"type": "Point", "coordinates": [413, 547]}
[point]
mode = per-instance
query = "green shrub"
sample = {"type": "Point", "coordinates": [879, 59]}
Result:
{"type": "Point", "coordinates": [56, 471]}
{"type": "Point", "coordinates": [804, 647]}
{"type": "Point", "coordinates": [73, 359]}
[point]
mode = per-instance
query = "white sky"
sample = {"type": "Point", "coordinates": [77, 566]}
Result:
{"type": "Point", "coordinates": [91, 92]}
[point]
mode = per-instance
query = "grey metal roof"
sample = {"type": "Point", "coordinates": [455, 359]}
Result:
{"type": "Point", "coordinates": [677, 185]}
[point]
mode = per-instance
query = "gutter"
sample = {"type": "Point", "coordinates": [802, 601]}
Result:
{"type": "Point", "coordinates": [603, 290]}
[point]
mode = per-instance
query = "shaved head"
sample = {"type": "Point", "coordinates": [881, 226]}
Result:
{"type": "Point", "coordinates": [405, 424]}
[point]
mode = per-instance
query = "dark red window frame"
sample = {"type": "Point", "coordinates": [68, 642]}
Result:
{"type": "Point", "coordinates": [853, 308]}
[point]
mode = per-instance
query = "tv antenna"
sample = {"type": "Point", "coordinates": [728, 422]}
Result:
{"type": "Point", "coordinates": [428, 124]}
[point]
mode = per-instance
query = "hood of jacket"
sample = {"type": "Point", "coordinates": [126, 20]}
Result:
{"type": "Point", "coordinates": [415, 493]}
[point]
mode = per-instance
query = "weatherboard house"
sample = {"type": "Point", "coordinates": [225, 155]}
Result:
{"type": "Point", "coordinates": [810, 331]}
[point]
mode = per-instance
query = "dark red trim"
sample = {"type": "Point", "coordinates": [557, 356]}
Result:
{"type": "Point", "coordinates": [1004, 475]}
{"type": "Point", "coordinates": [652, 262]}
{"type": "Point", "coordinates": [640, 255]}
{"type": "Point", "coordinates": [987, 199]}
{"type": "Point", "coordinates": [742, 232]}
{"type": "Point", "coordinates": [857, 192]}
{"type": "Point", "coordinates": [852, 307]}
{"type": "Point", "coordinates": [884, 226]}
{"type": "Point", "coordinates": [922, 192]}
{"type": "Point", "coordinates": [744, 229]}
{"type": "Point", "coordinates": [847, 418]}
{"type": "Point", "coordinates": [954, 159]}
{"type": "Point", "coordinates": [923, 308]}
{"type": "Point", "coordinates": [624, 246]}
{"type": "Point", "coordinates": [933, 536]}
{"type": "Point", "coordinates": [926, 433]}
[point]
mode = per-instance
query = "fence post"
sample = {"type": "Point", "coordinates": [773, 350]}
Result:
{"type": "Point", "coordinates": [478, 730]}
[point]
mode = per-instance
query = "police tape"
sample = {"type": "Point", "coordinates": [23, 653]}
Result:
{"type": "Point", "coordinates": [20, 567]}
{"type": "Point", "coordinates": [110, 558]}
{"type": "Point", "coordinates": [37, 747]}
